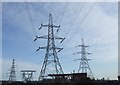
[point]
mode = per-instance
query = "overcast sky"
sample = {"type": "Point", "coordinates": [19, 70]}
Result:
{"type": "Point", "coordinates": [96, 22]}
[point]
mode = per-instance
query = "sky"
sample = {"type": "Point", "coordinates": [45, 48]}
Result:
{"type": "Point", "coordinates": [118, 41]}
{"type": "Point", "coordinates": [96, 22]}
{"type": "Point", "coordinates": [1, 40]}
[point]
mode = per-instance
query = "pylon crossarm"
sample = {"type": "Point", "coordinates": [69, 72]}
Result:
{"type": "Point", "coordinates": [76, 59]}
{"type": "Point", "coordinates": [43, 37]}
{"type": "Point", "coordinates": [84, 59]}
{"type": "Point", "coordinates": [76, 53]}
{"type": "Point", "coordinates": [56, 37]}
{"type": "Point", "coordinates": [36, 38]}
{"type": "Point", "coordinates": [59, 49]}
{"type": "Point", "coordinates": [62, 39]}
{"type": "Point", "coordinates": [88, 53]}
{"type": "Point", "coordinates": [56, 26]}
{"type": "Point", "coordinates": [44, 25]}
{"type": "Point", "coordinates": [41, 48]}
{"type": "Point", "coordinates": [82, 46]}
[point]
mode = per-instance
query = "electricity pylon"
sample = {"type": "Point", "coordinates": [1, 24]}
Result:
{"type": "Point", "coordinates": [84, 64]}
{"type": "Point", "coordinates": [51, 64]}
{"type": "Point", "coordinates": [12, 75]}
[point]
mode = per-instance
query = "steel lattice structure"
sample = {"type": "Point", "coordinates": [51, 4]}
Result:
{"type": "Point", "coordinates": [12, 75]}
{"type": "Point", "coordinates": [27, 75]}
{"type": "Point", "coordinates": [84, 64]}
{"type": "Point", "coordinates": [51, 64]}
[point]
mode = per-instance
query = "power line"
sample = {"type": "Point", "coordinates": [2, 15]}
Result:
{"type": "Point", "coordinates": [104, 32]}
{"type": "Point", "coordinates": [83, 19]}
{"type": "Point", "coordinates": [28, 10]}
{"type": "Point", "coordinates": [68, 41]}
{"type": "Point", "coordinates": [61, 19]}
{"type": "Point", "coordinates": [75, 19]}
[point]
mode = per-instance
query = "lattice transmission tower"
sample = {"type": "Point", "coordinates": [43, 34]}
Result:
{"type": "Point", "coordinates": [12, 75]}
{"type": "Point", "coordinates": [84, 64]}
{"type": "Point", "coordinates": [51, 64]}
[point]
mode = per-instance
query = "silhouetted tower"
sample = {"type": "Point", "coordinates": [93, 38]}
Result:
{"type": "Point", "coordinates": [12, 75]}
{"type": "Point", "coordinates": [84, 64]}
{"type": "Point", "coordinates": [51, 64]}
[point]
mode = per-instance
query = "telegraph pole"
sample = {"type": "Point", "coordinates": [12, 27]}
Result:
{"type": "Point", "coordinates": [12, 76]}
{"type": "Point", "coordinates": [51, 64]}
{"type": "Point", "coordinates": [84, 64]}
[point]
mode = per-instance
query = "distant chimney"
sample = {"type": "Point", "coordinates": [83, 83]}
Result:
{"type": "Point", "coordinates": [119, 78]}
{"type": "Point", "coordinates": [73, 71]}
